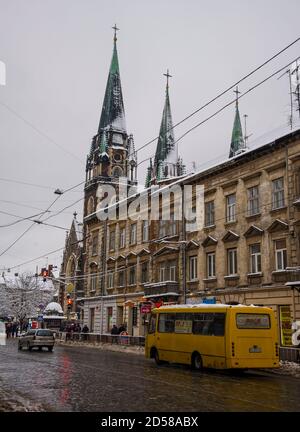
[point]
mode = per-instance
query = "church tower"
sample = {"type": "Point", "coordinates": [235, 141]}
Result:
{"type": "Point", "coordinates": [167, 164]}
{"type": "Point", "coordinates": [112, 154]}
{"type": "Point", "coordinates": [237, 145]}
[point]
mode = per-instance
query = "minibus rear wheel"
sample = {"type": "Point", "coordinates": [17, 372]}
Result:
{"type": "Point", "coordinates": [197, 361]}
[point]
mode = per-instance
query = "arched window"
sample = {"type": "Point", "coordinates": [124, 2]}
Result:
{"type": "Point", "coordinates": [117, 172]}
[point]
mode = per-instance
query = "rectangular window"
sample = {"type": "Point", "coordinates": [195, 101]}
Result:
{"type": "Point", "coordinates": [211, 264]}
{"type": "Point", "coordinates": [145, 229]}
{"type": "Point", "coordinates": [144, 269]}
{"type": "Point", "coordinates": [121, 278]}
{"type": "Point", "coordinates": [122, 238]}
{"type": "Point", "coordinates": [133, 234]}
{"type": "Point", "coordinates": [280, 254]}
{"type": "Point", "coordinates": [110, 280]}
{"type": "Point", "coordinates": [95, 244]}
{"type": "Point", "coordinates": [171, 226]}
{"type": "Point", "coordinates": [253, 201]}
{"type": "Point", "coordinates": [232, 262]}
{"type": "Point", "coordinates": [193, 268]}
{"type": "Point", "coordinates": [162, 228]}
{"type": "Point", "coordinates": [112, 240]}
{"type": "Point", "coordinates": [166, 323]}
{"type": "Point", "coordinates": [132, 279]}
{"type": "Point", "coordinates": [172, 271]}
{"type": "Point", "coordinates": [252, 321]}
{"type": "Point", "coordinates": [277, 193]}
{"type": "Point", "coordinates": [210, 324]}
{"type": "Point", "coordinates": [230, 208]}
{"type": "Point", "coordinates": [209, 213]}
{"type": "Point", "coordinates": [93, 282]}
{"type": "Point", "coordinates": [255, 258]}
{"type": "Point", "coordinates": [162, 272]}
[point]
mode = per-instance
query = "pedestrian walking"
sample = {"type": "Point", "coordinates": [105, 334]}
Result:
{"type": "Point", "coordinates": [114, 332]}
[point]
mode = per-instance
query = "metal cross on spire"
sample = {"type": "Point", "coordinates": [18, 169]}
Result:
{"type": "Point", "coordinates": [237, 92]}
{"type": "Point", "coordinates": [168, 76]}
{"type": "Point", "coordinates": [115, 28]}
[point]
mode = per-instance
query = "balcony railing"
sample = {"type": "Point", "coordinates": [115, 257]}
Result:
{"type": "Point", "coordinates": [166, 287]}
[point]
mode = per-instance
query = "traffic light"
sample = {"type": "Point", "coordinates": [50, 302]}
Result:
{"type": "Point", "coordinates": [70, 302]}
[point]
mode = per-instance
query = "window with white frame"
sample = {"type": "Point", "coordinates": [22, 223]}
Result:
{"type": "Point", "coordinates": [193, 268]}
{"type": "Point", "coordinates": [112, 240]}
{"type": "Point", "coordinates": [122, 238]}
{"type": "Point", "coordinates": [162, 272]}
{"type": "Point", "coordinates": [110, 279]}
{"type": "Point", "coordinates": [280, 254]}
{"type": "Point", "coordinates": [255, 258]}
{"type": "Point", "coordinates": [211, 264]}
{"type": "Point", "coordinates": [232, 262]}
{"type": "Point", "coordinates": [93, 282]}
{"type": "Point", "coordinates": [209, 213]}
{"type": "Point", "coordinates": [172, 271]}
{"type": "Point", "coordinates": [172, 226]}
{"type": "Point", "coordinates": [167, 271]}
{"type": "Point", "coordinates": [133, 233]}
{"type": "Point", "coordinates": [277, 193]}
{"type": "Point", "coordinates": [145, 230]}
{"type": "Point", "coordinates": [253, 201]}
{"type": "Point", "coordinates": [230, 208]}
{"type": "Point", "coordinates": [162, 228]}
{"type": "Point", "coordinates": [132, 279]}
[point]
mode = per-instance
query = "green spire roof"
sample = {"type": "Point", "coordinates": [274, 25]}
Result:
{"type": "Point", "coordinates": [237, 139]}
{"type": "Point", "coordinates": [166, 139]}
{"type": "Point", "coordinates": [113, 113]}
{"type": "Point", "coordinates": [149, 175]}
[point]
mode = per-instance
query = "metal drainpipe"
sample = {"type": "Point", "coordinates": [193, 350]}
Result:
{"type": "Point", "coordinates": [289, 219]}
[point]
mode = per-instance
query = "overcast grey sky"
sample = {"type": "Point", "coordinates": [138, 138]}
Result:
{"type": "Point", "coordinates": [57, 54]}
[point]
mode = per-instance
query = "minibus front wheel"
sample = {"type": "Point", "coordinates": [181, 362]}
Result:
{"type": "Point", "coordinates": [154, 354]}
{"type": "Point", "coordinates": [197, 361]}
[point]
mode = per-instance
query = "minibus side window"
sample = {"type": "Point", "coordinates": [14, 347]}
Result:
{"type": "Point", "coordinates": [166, 323]}
{"type": "Point", "coordinates": [219, 324]}
{"type": "Point", "coordinates": [152, 323]}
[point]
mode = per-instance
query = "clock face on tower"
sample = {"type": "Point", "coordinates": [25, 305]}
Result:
{"type": "Point", "coordinates": [117, 157]}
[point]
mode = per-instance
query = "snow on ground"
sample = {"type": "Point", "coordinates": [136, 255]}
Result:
{"type": "Point", "coordinates": [288, 368]}
{"type": "Point", "coordinates": [13, 402]}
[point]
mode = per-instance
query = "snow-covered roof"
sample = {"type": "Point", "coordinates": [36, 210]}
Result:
{"type": "Point", "coordinates": [53, 306]}
{"type": "Point", "coordinates": [203, 305]}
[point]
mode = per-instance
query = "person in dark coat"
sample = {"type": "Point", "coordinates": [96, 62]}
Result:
{"type": "Point", "coordinates": [114, 332]}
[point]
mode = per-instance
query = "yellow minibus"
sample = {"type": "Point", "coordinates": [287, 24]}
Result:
{"type": "Point", "coordinates": [216, 336]}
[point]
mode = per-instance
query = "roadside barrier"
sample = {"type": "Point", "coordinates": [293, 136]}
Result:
{"type": "Point", "coordinates": [123, 339]}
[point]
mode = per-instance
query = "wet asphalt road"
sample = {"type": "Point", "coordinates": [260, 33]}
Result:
{"type": "Point", "coordinates": [88, 379]}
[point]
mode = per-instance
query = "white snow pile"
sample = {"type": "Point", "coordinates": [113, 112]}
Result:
{"type": "Point", "coordinates": [288, 368]}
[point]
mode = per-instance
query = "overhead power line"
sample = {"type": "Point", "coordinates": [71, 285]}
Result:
{"type": "Point", "coordinates": [224, 92]}
{"type": "Point", "coordinates": [227, 105]}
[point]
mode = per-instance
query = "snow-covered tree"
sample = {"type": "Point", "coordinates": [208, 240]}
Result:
{"type": "Point", "coordinates": [23, 296]}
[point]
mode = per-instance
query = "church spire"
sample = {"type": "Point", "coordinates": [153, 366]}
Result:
{"type": "Point", "coordinates": [113, 113]}
{"type": "Point", "coordinates": [237, 140]}
{"type": "Point", "coordinates": [166, 155]}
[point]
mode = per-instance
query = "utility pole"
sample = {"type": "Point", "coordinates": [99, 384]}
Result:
{"type": "Point", "coordinates": [183, 247]}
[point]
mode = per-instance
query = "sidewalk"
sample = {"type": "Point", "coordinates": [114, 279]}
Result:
{"type": "Point", "coordinates": [105, 346]}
